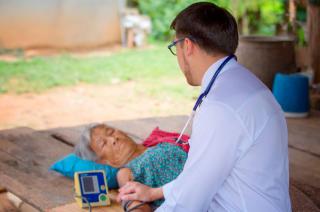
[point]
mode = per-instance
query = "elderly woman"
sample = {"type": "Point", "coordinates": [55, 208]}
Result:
{"type": "Point", "coordinates": [153, 166]}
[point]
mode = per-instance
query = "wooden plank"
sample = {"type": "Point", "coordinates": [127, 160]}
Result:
{"type": "Point", "coordinates": [300, 201]}
{"type": "Point", "coordinates": [304, 134]}
{"type": "Point", "coordinates": [311, 121]}
{"type": "Point", "coordinates": [37, 191]}
{"type": "Point", "coordinates": [114, 207]}
{"type": "Point", "coordinates": [143, 127]}
{"type": "Point", "coordinates": [137, 129]}
{"type": "Point", "coordinates": [304, 167]}
{"type": "Point", "coordinates": [5, 204]}
{"type": "Point", "coordinates": [75, 208]}
{"type": "Point", "coordinates": [36, 150]}
{"type": "Point", "coordinates": [312, 192]}
{"type": "Point", "coordinates": [25, 157]}
{"type": "Point", "coordinates": [18, 131]}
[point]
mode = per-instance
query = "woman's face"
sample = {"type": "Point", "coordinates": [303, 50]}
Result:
{"type": "Point", "coordinates": [111, 146]}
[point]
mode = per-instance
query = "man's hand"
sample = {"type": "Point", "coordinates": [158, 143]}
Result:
{"type": "Point", "coordinates": [137, 191]}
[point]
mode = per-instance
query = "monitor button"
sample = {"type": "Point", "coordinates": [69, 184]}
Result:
{"type": "Point", "coordinates": [103, 197]}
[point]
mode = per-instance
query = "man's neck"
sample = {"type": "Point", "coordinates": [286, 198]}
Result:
{"type": "Point", "coordinates": [205, 62]}
{"type": "Point", "coordinates": [208, 61]}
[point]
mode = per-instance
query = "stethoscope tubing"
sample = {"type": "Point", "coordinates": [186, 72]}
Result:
{"type": "Point", "coordinates": [202, 96]}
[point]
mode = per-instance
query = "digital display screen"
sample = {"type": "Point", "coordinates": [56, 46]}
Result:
{"type": "Point", "coordinates": [90, 184]}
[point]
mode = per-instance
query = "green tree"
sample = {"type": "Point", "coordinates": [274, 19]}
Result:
{"type": "Point", "coordinates": [253, 16]}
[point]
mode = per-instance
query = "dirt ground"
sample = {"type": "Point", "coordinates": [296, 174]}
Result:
{"type": "Point", "coordinates": [70, 106]}
{"type": "Point", "coordinates": [81, 104]}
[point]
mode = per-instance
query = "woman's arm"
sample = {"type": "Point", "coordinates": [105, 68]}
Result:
{"type": "Point", "coordinates": [124, 176]}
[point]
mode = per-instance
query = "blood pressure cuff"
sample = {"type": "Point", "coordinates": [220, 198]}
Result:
{"type": "Point", "coordinates": [70, 164]}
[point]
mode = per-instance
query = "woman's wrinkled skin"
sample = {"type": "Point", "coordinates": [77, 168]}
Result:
{"type": "Point", "coordinates": [112, 146]}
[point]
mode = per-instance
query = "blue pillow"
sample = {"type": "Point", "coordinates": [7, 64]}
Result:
{"type": "Point", "coordinates": [70, 164]}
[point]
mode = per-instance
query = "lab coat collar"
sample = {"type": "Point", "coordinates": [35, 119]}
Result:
{"type": "Point", "coordinates": [212, 70]}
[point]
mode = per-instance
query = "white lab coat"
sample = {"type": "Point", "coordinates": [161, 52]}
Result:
{"type": "Point", "coordinates": [238, 159]}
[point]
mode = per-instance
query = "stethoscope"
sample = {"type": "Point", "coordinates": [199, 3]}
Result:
{"type": "Point", "coordinates": [201, 97]}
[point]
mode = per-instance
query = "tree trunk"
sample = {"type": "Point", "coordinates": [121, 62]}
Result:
{"type": "Point", "coordinates": [314, 39]}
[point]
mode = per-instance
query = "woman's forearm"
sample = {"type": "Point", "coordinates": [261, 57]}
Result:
{"type": "Point", "coordinates": [124, 175]}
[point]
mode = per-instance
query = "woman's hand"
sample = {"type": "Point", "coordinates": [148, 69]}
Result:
{"type": "Point", "coordinates": [137, 191]}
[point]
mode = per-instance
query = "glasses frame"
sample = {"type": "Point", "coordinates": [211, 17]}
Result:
{"type": "Point", "coordinates": [176, 42]}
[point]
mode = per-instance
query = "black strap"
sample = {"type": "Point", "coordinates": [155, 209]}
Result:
{"type": "Point", "coordinates": [135, 207]}
{"type": "Point", "coordinates": [126, 204]}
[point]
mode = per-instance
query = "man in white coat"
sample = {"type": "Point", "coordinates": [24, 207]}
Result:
{"type": "Point", "coordinates": [238, 159]}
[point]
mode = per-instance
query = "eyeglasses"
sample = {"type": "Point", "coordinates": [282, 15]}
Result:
{"type": "Point", "coordinates": [172, 46]}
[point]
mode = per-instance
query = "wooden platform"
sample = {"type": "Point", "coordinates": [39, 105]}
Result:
{"type": "Point", "coordinates": [26, 155]}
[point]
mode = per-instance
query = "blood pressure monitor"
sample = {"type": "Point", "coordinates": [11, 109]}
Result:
{"type": "Point", "coordinates": [91, 188]}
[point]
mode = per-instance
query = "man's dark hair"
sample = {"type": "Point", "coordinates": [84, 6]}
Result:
{"type": "Point", "coordinates": [213, 28]}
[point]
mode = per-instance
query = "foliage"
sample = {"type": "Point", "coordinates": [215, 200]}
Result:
{"type": "Point", "coordinates": [301, 37]}
{"type": "Point", "coordinates": [301, 13]}
{"type": "Point", "coordinates": [162, 13]}
{"type": "Point", "coordinates": [262, 15]}
{"type": "Point", "coordinates": [301, 20]}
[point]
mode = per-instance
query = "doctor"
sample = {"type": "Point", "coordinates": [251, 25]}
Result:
{"type": "Point", "coordinates": [238, 159]}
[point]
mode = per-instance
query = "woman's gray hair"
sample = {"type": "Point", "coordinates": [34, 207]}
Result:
{"type": "Point", "coordinates": [82, 149]}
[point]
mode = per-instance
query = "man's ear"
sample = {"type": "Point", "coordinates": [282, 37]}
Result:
{"type": "Point", "coordinates": [188, 47]}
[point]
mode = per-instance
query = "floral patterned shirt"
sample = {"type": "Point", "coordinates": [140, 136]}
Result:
{"type": "Point", "coordinates": [158, 166]}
